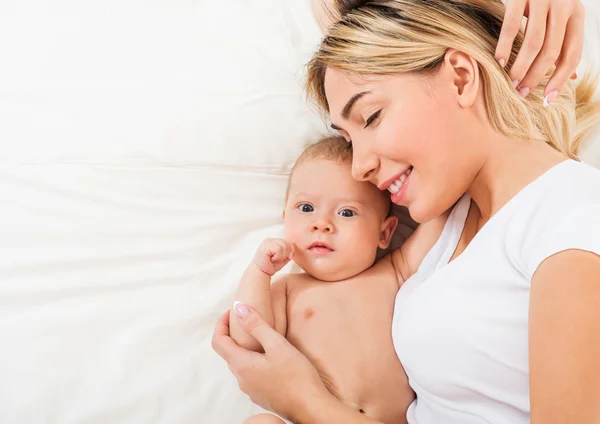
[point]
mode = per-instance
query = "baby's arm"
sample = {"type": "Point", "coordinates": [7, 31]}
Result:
{"type": "Point", "coordinates": [408, 257]}
{"type": "Point", "coordinates": [255, 290]}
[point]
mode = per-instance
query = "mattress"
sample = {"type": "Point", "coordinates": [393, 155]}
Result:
{"type": "Point", "coordinates": [144, 152]}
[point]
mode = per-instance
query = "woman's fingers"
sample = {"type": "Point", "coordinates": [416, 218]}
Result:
{"type": "Point", "coordinates": [553, 36]}
{"type": "Point", "coordinates": [551, 50]}
{"type": "Point", "coordinates": [511, 25]}
{"type": "Point", "coordinates": [571, 53]}
{"type": "Point", "coordinates": [253, 324]}
{"type": "Point", "coordinates": [535, 34]}
{"type": "Point", "coordinates": [224, 345]}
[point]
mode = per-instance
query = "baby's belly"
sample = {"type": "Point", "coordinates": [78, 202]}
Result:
{"type": "Point", "coordinates": [379, 389]}
{"type": "Point", "coordinates": [362, 370]}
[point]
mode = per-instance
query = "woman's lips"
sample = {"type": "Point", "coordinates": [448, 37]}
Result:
{"type": "Point", "coordinates": [398, 193]}
{"type": "Point", "coordinates": [394, 180]}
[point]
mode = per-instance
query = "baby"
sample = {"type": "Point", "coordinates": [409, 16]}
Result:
{"type": "Point", "coordinates": [338, 312]}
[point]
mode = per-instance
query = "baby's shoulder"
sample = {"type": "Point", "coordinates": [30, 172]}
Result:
{"type": "Point", "coordinates": [382, 272]}
{"type": "Point", "coordinates": [294, 280]}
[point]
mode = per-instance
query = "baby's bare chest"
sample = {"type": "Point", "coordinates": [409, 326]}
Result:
{"type": "Point", "coordinates": [345, 330]}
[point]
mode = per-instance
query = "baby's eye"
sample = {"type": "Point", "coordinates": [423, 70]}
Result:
{"type": "Point", "coordinates": [305, 207]}
{"type": "Point", "coordinates": [347, 213]}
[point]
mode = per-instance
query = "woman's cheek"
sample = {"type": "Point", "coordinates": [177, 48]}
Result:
{"type": "Point", "coordinates": [393, 140]}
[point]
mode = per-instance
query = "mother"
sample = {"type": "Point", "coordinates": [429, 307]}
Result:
{"type": "Point", "coordinates": [501, 324]}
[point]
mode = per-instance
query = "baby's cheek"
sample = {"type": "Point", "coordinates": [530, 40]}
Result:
{"type": "Point", "coordinates": [291, 232]}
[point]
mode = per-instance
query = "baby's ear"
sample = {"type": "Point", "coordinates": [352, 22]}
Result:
{"type": "Point", "coordinates": [387, 231]}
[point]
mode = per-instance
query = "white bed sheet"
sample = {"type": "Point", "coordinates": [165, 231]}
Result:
{"type": "Point", "coordinates": [143, 155]}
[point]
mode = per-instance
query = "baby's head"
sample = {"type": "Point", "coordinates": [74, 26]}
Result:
{"type": "Point", "coordinates": [335, 222]}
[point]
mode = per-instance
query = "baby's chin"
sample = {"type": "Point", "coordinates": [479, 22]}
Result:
{"type": "Point", "coordinates": [327, 271]}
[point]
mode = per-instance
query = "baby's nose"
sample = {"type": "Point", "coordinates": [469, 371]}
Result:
{"type": "Point", "coordinates": [323, 225]}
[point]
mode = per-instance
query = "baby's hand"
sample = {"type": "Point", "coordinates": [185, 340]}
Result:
{"type": "Point", "coordinates": [273, 254]}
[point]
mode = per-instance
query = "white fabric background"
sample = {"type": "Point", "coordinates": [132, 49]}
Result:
{"type": "Point", "coordinates": [144, 147]}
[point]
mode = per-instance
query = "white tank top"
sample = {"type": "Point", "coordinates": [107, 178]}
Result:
{"type": "Point", "coordinates": [460, 328]}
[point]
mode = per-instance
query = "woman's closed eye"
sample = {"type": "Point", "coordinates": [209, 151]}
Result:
{"type": "Point", "coordinates": [372, 118]}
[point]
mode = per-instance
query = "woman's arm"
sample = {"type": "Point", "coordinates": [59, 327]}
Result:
{"type": "Point", "coordinates": [564, 339]}
{"type": "Point", "coordinates": [282, 379]}
{"type": "Point", "coordinates": [324, 12]}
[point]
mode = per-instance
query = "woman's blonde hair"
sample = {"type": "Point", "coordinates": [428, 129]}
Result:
{"type": "Point", "coordinates": [412, 36]}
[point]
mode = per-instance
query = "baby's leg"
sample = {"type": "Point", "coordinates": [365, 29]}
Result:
{"type": "Point", "coordinates": [264, 419]}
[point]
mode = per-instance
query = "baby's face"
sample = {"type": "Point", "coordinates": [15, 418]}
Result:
{"type": "Point", "coordinates": [334, 221]}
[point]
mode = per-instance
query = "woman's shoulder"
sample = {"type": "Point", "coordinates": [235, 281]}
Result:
{"type": "Point", "coordinates": [560, 211]}
{"type": "Point", "coordinates": [578, 180]}
{"type": "Point", "coordinates": [564, 187]}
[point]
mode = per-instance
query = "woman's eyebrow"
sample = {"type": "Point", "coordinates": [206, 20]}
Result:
{"type": "Point", "coordinates": [348, 108]}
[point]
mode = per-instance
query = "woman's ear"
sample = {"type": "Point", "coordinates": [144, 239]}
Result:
{"type": "Point", "coordinates": [464, 74]}
{"type": "Point", "coordinates": [387, 231]}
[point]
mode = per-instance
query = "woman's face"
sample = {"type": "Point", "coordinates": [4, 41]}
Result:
{"type": "Point", "coordinates": [412, 135]}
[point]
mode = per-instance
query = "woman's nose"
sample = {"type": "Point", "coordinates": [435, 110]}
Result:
{"type": "Point", "coordinates": [363, 167]}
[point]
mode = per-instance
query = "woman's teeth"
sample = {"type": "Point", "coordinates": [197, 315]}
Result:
{"type": "Point", "coordinates": [397, 185]}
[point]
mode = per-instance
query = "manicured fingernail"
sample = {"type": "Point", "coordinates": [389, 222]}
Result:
{"type": "Point", "coordinates": [550, 97]}
{"type": "Point", "coordinates": [240, 309]}
{"type": "Point", "coordinates": [515, 83]}
{"type": "Point", "coordinates": [524, 91]}
{"type": "Point", "coordinates": [502, 62]}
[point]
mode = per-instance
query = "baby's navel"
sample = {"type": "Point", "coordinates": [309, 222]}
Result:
{"type": "Point", "coordinates": [309, 313]}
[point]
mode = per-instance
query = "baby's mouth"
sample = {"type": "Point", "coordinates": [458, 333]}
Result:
{"type": "Point", "coordinates": [320, 247]}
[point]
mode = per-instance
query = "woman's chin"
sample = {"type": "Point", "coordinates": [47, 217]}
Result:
{"type": "Point", "coordinates": [421, 213]}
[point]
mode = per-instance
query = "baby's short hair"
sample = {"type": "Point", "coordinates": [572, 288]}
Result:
{"type": "Point", "coordinates": [335, 149]}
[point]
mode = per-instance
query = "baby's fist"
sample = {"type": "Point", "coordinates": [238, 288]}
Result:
{"type": "Point", "coordinates": [273, 254]}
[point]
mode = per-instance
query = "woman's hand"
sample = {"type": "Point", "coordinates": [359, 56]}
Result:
{"type": "Point", "coordinates": [282, 379]}
{"type": "Point", "coordinates": [554, 35]}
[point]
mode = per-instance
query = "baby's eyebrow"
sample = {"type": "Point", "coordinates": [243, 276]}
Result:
{"type": "Point", "coordinates": [302, 194]}
{"type": "Point", "coordinates": [360, 202]}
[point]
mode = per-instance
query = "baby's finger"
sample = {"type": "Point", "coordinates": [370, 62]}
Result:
{"type": "Point", "coordinates": [570, 57]}
{"type": "Point", "coordinates": [555, 35]}
{"type": "Point", "coordinates": [288, 248]}
{"type": "Point", "coordinates": [292, 251]}
{"type": "Point", "coordinates": [510, 28]}
{"type": "Point", "coordinates": [532, 44]}
{"type": "Point", "coordinates": [279, 251]}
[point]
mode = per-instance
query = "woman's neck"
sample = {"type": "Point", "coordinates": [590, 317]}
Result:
{"type": "Point", "coordinates": [510, 166]}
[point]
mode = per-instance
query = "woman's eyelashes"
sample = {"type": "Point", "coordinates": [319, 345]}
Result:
{"type": "Point", "coordinates": [372, 118]}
